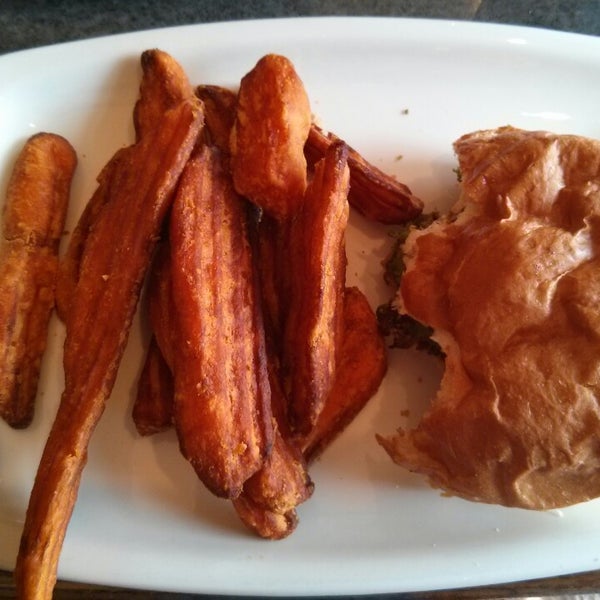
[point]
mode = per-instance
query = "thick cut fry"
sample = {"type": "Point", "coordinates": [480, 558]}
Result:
{"type": "Point", "coordinates": [115, 258]}
{"type": "Point", "coordinates": [267, 141]}
{"type": "Point", "coordinates": [222, 394]}
{"type": "Point", "coordinates": [317, 281]}
{"type": "Point", "coordinates": [373, 193]}
{"type": "Point", "coordinates": [34, 215]}
{"type": "Point", "coordinates": [362, 366]}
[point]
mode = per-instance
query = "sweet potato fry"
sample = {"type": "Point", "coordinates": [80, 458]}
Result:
{"type": "Point", "coordinates": [268, 499]}
{"type": "Point", "coordinates": [164, 85]}
{"type": "Point", "coordinates": [373, 193]}
{"type": "Point", "coordinates": [34, 214]}
{"type": "Point", "coordinates": [267, 504]}
{"type": "Point", "coordinates": [161, 310]}
{"type": "Point", "coordinates": [267, 141]}
{"type": "Point", "coordinates": [362, 366]}
{"type": "Point", "coordinates": [219, 113]}
{"type": "Point", "coordinates": [115, 258]}
{"type": "Point", "coordinates": [272, 248]}
{"type": "Point", "coordinates": [68, 267]}
{"type": "Point", "coordinates": [222, 394]}
{"type": "Point", "coordinates": [318, 267]}
{"type": "Point", "coordinates": [153, 406]}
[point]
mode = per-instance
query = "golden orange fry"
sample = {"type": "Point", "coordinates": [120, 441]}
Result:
{"type": "Point", "coordinates": [317, 262]}
{"type": "Point", "coordinates": [361, 368]}
{"type": "Point", "coordinates": [373, 193]}
{"type": "Point", "coordinates": [115, 258]}
{"type": "Point", "coordinates": [222, 394]}
{"type": "Point", "coordinates": [34, 214]}
{"type": "Point", "coordinates": [267, 141]}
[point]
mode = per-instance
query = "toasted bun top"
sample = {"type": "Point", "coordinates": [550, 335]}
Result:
{"type": "Point", "coordinates": [510, 281]}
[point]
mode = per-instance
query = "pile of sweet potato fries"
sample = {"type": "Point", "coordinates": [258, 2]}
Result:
{"type": "Point", "coordinates": [231, 207]}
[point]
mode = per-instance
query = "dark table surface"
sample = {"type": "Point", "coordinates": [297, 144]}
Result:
{"type": "Point", "coordinates": [26, 24]}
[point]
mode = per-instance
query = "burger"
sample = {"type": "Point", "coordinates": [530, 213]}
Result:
{"type": "Point", "coordinates": [506, 288]}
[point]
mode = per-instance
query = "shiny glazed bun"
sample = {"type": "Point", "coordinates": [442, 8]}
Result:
{"type": "Point", "coordinates": [510, 282]}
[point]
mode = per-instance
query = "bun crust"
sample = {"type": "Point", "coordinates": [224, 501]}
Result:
{"type": "Point", "coordinates": [510, 282]}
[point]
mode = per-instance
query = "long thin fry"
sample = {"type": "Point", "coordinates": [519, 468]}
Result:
{"type": "Point", "coordinates": [34, 215]}
{"type": "Point", "coordinates": [153, 406]}
{"type": "Point", "coordinates": [373, 193]}
{"type": "Point", "coordinates": [116, 256]}
{"type": "Point", "coordinates": [314, 322]}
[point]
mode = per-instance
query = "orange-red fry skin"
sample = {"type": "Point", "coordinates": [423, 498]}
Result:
{"type": "Point", "coordinates": [222, 395]}
{"type": "Point", "coordinates": [153, 405]}
{"type": "Point", "coordinates": [362, 366]}
{"type": "Point", "coordinates": [34, 214]}
{"type": "Point", "coordinates": [373, 193]}
{"type": "Point", "coordinates": [115, 259]}
{"type": "Point", "coordinates": [219, 113]}
{"type": "Point", "coordinates": [267, 141]}
{"type": "Point", "coordinates": [317, 266]}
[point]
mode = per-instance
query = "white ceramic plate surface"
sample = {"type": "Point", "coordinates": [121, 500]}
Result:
{"type": "Point", "coordinates": [400, 91]}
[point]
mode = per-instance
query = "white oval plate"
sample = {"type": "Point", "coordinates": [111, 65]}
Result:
{"type": "Point", "coordinates": [400, 91]}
